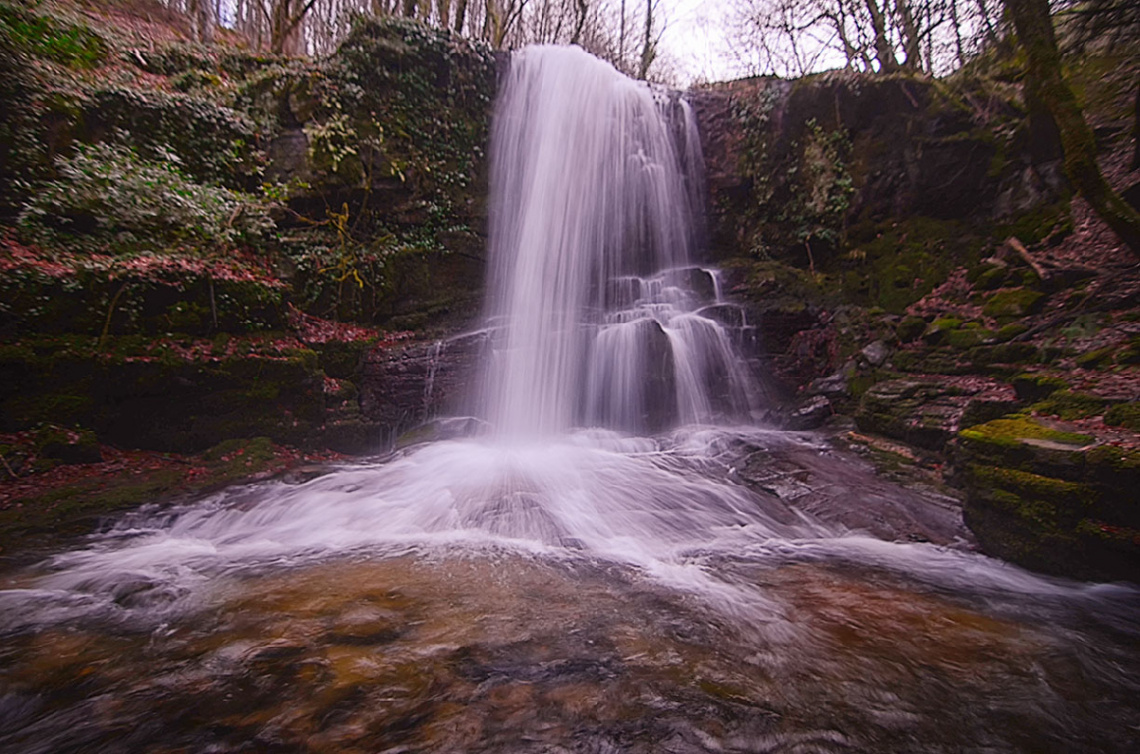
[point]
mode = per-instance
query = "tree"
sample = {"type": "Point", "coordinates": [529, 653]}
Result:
{"type": "Point", "coordinates": [201, 14]}
{"type": "Point", "coordinates": [649, 41]}
{"type": "Point", "coordinates": [1034, 26]}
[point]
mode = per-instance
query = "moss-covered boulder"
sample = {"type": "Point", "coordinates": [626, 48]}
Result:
{"type": "Point", "coordinates": [929, 411]}
{"type": "Point", "coordinates": [1053, 497]}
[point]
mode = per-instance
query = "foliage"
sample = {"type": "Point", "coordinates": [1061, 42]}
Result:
{"type": "Point", "coordinates": [213, 143]}
{"type": "Point", "coordinates": [111, 191]}
{"type": "Point", "coordinates": [802, 189]}
{"type": "Point", "coordinates": [66, 44]}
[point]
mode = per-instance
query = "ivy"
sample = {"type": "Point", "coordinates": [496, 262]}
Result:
{"type": "Point", "coordinates": [110, 191]}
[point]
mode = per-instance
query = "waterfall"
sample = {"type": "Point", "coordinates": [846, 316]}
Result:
{"type": "Point", "coordinates": [592, 296]}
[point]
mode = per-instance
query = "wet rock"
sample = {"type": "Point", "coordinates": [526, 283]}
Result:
{"type": "Point", "coordinates": [876, 353]}
{"type": "Point", "coordinates": [730, 315]}
{"type": "Point", "coordinates": [834, 385]}
{"type": "Point", "coordinates": [406, 386]}
{"type": "Point", "coordinates": [446, 428]}
{"type": "Point", "coordinates": [810, 415]}
{"type": "Point", "coordinates": [1053, 496]}
{"type": "Point", "coordinates": [928, 412]}
{"type": "Point", "coordinates": [699, 282]}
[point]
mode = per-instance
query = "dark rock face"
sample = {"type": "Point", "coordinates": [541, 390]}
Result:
{"type": "Point", "coordinates": [406, 387]}
{"type": "Point", "coordinates": [906, 146]}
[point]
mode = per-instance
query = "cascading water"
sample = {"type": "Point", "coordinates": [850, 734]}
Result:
{"type": "Point", "coordinates": [562, 583]}
{"type": "Point", "coordinates": [592, 239]}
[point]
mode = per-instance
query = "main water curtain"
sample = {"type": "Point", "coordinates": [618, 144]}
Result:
{"type": "Point", "coordinates": [594, 186]}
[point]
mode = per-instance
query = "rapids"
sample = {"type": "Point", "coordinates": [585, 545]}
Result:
{"type": "Point", "coordinates": [620, 561]}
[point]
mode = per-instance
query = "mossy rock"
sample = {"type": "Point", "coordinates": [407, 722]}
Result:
{"type": "Point", "coordinates": [967, 338]}
{"type": "Point", "coordinates": [936, 332]}
{"type": "Point", "coordinates": [1051, 500]}
{"type": "Point", "coordinates": [1098, 358]}
{"type": "Point", "coordinates": [1125, 415]}
{"type": "Point", "coordinates": [925, 413]}
{"type": "Point", "coordinates": [1036, 387]}
{"type": "Point", "coordinates": [1017, 302]}
{"type": "Point", "coordinates": [68, 446]}
{"type": "Point", "coordinates": [144, 397]}
{"type": "Point", "coordinates": [1009, 332]}
{"type": "Point", "coordinates": [931, 361]}
{"type": "Point", "coordinates": [910, 328]}
{"type": "Point", "coordinates": [1011, 431]}
{"type": "Point", "coordinates": [1069, 405]}
{"type": "Point", "coordinates": [1004, 353]}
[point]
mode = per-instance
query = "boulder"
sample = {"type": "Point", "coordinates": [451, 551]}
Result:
{"type": "Point", "coordinates": [928, 411]}
{"type": "Point", "coordinates": [1053, 496]}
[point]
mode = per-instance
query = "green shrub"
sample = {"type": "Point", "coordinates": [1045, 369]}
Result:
{"type": "Point", "coordinates": [109, 190]}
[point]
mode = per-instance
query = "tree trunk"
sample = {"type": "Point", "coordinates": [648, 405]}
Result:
{"type": "Point", "coordinates": [1034, 29]}
{"type": "Point", "coordinates": [460, 15]}
{"type": "Point", "coordinates": [911, 41]}
{"type": "Point", "coordinates": [884, 52]}
{"type": "Point", "coordinates": [410, 8]}
{"type": "Point", "coordinates": [582, 8]}
{"type": "Point", "coordinates": [201, 14]}
{"type": "Point", "coordinates": [649, 48]}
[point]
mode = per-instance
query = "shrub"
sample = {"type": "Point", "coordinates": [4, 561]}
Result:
{"type": "Point", "coordinates": [108, 190]}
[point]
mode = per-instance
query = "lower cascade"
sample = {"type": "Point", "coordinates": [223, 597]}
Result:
{"type": "Point", "coordinates": [621, 561]}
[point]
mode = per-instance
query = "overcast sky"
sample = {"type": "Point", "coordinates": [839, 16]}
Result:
{"type": "Point", "coordinates": [695, 41]}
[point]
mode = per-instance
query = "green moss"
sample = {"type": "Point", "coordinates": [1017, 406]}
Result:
{"type": "Point", "coordinates": [910, 328]}
{"type": "Point", "coordinates": [1116, 459]}
{"type": "Point", "coordinates": [1010, 331]}
{"type": "Point", "coordinates": [1033, 226]}
{"type": "Point", "coordinates": [993, 277]}
{"type": "Point", "coordinates": [903, 261]}
{"type": "Point", "coordinates": [1068, 405]}
{"type": "Point", "coordinates": [1124, 415]}
{"type": "Point", "coordinates": [1032, 486]}
{"type": "Point", "coordinates": [1016, 302]}
{"type": "Point", "coordinates": [1010, 431]}
{"type": "Point", "coordinates": [967, 338]}
{"type": "Point", "coordinates": [1035, 387]}
{"type": "Point", "coordinates": [1098, 358]}
{"type": "Point", "coordinates": [936, 332]}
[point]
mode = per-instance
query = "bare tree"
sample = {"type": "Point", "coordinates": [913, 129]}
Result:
{"type": "Point", "coordinates": [1035, 35]}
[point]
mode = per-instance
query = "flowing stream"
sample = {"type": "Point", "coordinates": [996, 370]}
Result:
{"type": "Point", "coordinates": [619, 562]}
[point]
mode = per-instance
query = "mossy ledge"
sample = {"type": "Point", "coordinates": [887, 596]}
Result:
{"type": "Point", "coordinates": [1050, 498]}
